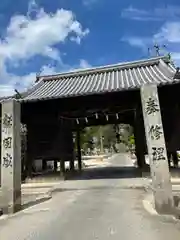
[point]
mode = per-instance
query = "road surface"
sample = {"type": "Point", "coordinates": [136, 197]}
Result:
{"type": "Point", "coordinates": [87, 209]}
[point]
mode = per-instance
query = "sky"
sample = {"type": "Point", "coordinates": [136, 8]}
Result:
{"type": "Point", "coordinates": [41, 37]}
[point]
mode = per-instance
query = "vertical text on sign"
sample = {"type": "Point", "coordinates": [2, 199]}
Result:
{"type": "Point", "coordinates": [155, 131]}
{"type": "Point", "coordinates": [151, 106]}
{"type": "Point", "coordinates": [7, 123]}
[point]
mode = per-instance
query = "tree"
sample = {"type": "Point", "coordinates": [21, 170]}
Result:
{"type": "Point", "coordinates": [109, 133]}
{"type": "Point", "coordinates": [87, 135]}
{"type": "Point", "coordinates": [132, 140]}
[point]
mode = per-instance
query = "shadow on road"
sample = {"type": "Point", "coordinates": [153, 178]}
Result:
{"type": "Point", "coordinates": [111, 172]}
{"type": "Point", "coordinates": [34, 202]}
{"type": "Point", "coordinates": [175, 172]}
{"type": "Point", "coordinates": [30, 203]}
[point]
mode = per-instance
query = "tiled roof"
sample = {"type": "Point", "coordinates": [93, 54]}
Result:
{"type": "Point", "coordinates": [111, 78]}
{"type": "Point", "coordinates": [6, 98]}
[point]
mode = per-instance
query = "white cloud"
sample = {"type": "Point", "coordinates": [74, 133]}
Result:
{"type": "Point", "coordinates": [84, 64]}
{"type": "Point", "coordinates": [156, 14]}
{"type": "Point", "coordinates": [176, 58]}
{"type": "Point", "coordinates": [176, 55]}
{"type": "Point", "coordinates": [39, 35]}
{"type": "Point", "coordinates": [169, 32]}
{"type": "Point", "coordinates": [136, 14]}
{"type": "Point", "coordinates": [168, 38]}
{"type": "Point", "coordinates": [26, 81]}
{"type": "Point", "coordinates": [141, 43]}
{"type": "Point", "coordinates": [50, 70]}
{"type": "Point", "coordinates": [88, 3]}
{"type": "Point", "coordinates": [13, 81]}
{"type": "Point", "coordinates": [6, 90]}
{"type": "Point", "coordinates": [36, 33]}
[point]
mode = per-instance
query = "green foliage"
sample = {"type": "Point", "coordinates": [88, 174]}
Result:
{"type": "Point", "coordinates": [109, 135]}
{"type": "Point", "coordinates": [86, 136]}
{"type": "Point", "coordinates": [132, 140]}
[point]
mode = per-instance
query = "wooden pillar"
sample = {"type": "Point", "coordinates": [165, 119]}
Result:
{"type": "Point", "coordinates": [11, 156]}
{"type": "Point", "coordinates": [55, 165]}
{"type": "Point", "coordinates": [162, 187]}
{"type": "Point", "coordinates": [44, 164]}
{"type": "Point", "coordinates": [79, 150]}
{"type": "Point", "coordinates": [62, 166]}
{"type": "Point", "coordinates": [72, 164]}
{"type": "Point", "coordinates": [71, 150]}
{"type": "Point", "coordinates": [139, 134]}
{"type": "Point", "coordinates": [175, 159]}
{"type": "Point", "coordinates": [23, 151]}
{"type": "Point", "coordinates": [29, 153]}
{"type": "Point", "coordinates": [65, 145]}
{"type": "Point", "coordinates": [172, 133]}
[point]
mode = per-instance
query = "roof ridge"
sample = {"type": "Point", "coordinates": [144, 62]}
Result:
{"type": "Point", "coordinates": [98, 69]}
{"type": "Point", "coordinates": [155, 71]}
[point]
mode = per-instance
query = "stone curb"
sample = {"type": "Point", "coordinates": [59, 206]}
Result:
{"type": "Point", "coordinates": [173, 181]}
{"type": "Point", "coordinates": [149, 207]}
{"type": "Point", "coordinates": [47, 196]}
{"type": "Point", "coordinates": [148, 204]}
{"type": "Point", "coordinates": [39, 185]}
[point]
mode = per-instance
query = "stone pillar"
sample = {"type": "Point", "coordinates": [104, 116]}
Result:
{"type": "Point", "coordinates": [79, 150]}
{"type": "Point", "coordinates": [139, 135]}
{"type": "Point", "coordinates": [11, 156]}
{"type": "Point", "coordinates": [161, 183]}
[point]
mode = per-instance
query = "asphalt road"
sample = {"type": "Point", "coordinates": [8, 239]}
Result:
{"type": "Point", "coordinates": [97, 206]}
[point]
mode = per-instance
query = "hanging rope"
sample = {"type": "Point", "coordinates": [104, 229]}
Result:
{"type": "Point", "coordinates": [96, 115]}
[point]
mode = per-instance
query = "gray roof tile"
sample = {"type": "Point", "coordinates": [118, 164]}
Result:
{"type": "Point", "coordinates": [103, 79]}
